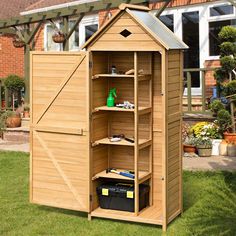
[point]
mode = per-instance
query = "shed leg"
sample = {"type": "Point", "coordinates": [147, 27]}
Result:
{"type": "Point", "coordinates": [164, 227]}
{"type": "Point", "coordinates": [89, 217]}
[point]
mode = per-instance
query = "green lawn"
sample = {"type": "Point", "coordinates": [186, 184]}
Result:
{"type": "Point", "coordinates": [209, 203]}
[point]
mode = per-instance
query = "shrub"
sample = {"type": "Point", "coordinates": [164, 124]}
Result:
{"type": "Point", "coordinates": [227, 49]}
{"type": "Point", "coordinates": [230, 88]}
{"type": "Point", "coordinates": [216, 106]}
{"type": "Point", "coordinates": [220, 75]}
{"type": "Point", "coordinates": [14, 83]}
{"type": "Point", "coordinates": [228, 63]}
{"type": "Point", "coordinates": [228, 33]}
{"type": "Point", "coordinates": [224, 120]}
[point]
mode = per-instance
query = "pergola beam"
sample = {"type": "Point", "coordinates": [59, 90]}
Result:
{"type": "Point", "coordinates": [64, 12]}
{"type": "Point", "coordinates": [164, 6]}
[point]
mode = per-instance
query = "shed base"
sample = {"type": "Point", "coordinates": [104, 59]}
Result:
{"type": "Point", "coordinates": [149, 215]}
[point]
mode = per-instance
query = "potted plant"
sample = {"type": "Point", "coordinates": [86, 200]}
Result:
{"type": "Point", "coordinates": [17, 42]}
{"type": "Point", "coordinates": [226, 79]}
{"type": "Point", "coordinates": [14, 83]}
{"type": "Point", "coordinates": [204, 146]}
{"type": "Point", "coordinates": [216, 106]}
{"type": "Point", "coordinates": [13, 119]}
{"type": "Point", "coordinates": [58, 37]}
{"type": "Point", "coordinates": [204, 131]}
{"type": "Point", "coordinates": [190, 144]}
{"type": "Point", "coordinates": [26, 110]}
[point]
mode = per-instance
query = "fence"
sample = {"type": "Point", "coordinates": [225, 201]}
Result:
{"type": "Point", "coordinates": [188, 86]}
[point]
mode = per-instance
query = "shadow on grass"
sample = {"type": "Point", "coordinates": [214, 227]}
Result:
{"type": "Point", "coordinates": [62, 211]}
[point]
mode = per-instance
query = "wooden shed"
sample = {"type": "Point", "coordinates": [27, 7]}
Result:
{"type": "Point", "coordinates": [71, 125]}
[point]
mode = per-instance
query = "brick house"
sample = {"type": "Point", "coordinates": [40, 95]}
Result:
{"type": "Point", "coordinates": [196, 22]}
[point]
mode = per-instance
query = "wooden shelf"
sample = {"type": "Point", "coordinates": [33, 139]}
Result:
{"type": "Point", "coordinates": [142, 110]}
{"type": "Point", "coordinates": [112, 76]}
{"type": "Point", "coordinates": [140, 77]}
{"type": "Point", "coordinates": [149, 215]}
{"type": "Point", "coordinates": [143, 176]}
{"type": "Point", "coordinates": [142, 142]}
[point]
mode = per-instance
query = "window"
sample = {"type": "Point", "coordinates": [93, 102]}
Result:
{"type": "Point", "coordinates": [190, 24]}
{"type": "Point", "coordinates": [214, 29]}
{"type": "Point", "coordinates": [49, 44]}
{"type": "Point", "coordinates": [90, 30]}
{"type": "Point", "coordinates": [168, 20]}
{"type": "Point", "coordinates": [86, 28]}
{"type": "Point", "coordinates": [221, 10]}
{"type": "Point", "coordinates": [74, 38]}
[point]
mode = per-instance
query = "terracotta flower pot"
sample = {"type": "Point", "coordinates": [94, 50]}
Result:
{"type": "Point", "coordinates": [26, 114]}
{"type": "Point", "coordinates": [13, 122]}
{"type": "Point", "coordinates": [230, 137]}
{"type": "Point", "coordinates": [189, 148]}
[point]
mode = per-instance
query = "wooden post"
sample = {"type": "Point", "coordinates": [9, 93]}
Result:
{"type": "Point", "coordinates": [26, 71]}
{"type": "Point", "coordinates": [164, 93]}
{"type": "Point", "coordinates": [189, 85]}
{"type": "Point", "coordinates": [136, 136]}
{"type": "Point", "coordinates": [65, 31]}
{"type": "Point", "coordinates": [203, 91]}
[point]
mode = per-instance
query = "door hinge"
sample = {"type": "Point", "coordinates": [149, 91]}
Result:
{"type": "Point", "coordinates": [90, 198]}
{"type": "Point", "coordinates": [90, 64]}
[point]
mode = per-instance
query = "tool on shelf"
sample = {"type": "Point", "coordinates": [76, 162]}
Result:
{"type": "Point", "coordinates": [111, 97]}
{"type": "Point", "coordinates": [126, 105]}
{"type": "Point", "coordinates": [119, 137]}
{"type": "Point", "coordinates": [122, 173]}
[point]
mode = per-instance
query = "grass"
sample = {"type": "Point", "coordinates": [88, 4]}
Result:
{"type": "Point", "coordinates": [209, 203]}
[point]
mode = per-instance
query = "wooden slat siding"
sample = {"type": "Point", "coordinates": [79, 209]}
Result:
{"type": "Point", "coordinates": [100, 159]}
{"type": "Point", "coordinates": [157, 133]}
{"type": "Point", "coordinates": [174, 131]}
{"type": "Point", "coordinates": [112, 39]}
{"type": "Point", "coordinates": [57, 158]}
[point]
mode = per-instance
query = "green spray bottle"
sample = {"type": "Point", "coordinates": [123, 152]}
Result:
{"type": "Point", "coordinates": [111, 97]}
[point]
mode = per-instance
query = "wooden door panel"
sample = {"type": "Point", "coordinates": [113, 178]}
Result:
{"type": "Point", "coordinates": [59, 132]}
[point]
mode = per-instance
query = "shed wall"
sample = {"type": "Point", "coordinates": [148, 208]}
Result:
{"type": "Point", "coordinates": [138, 40]}
{"type": "Point", "coordinates": [157, 133]}
{"type": "Point", "coordinates": [174, 140]}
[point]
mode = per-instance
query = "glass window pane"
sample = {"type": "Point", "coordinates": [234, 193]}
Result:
{"type": "Point", "coordinates": [221, 10]}
{"type": "Point", "coordinates": [90, 30]}
{"type": "Point", "coordinates": [168, 20]}
{"type": "Point", "coordinates": [74, 38]}
{"type": "Point", "coordinates": [190, 22]}
{"type": "Point", "coordinates": [214, 29]}
{"type": "Point", "coordinates": [51, 46]}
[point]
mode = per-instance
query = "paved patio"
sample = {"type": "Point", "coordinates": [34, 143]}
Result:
{"type": "Point", "coordinates": [189, 163]}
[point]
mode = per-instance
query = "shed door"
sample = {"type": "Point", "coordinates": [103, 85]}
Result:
{"type": "Point", "coordinates": [60, 130]}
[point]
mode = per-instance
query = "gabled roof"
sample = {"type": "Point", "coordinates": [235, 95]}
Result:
{"type": "Point", "coordinates": [152, 25]}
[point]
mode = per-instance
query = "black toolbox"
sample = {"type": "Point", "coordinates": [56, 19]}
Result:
{"type": "Point", "coordinates": [120, 196]}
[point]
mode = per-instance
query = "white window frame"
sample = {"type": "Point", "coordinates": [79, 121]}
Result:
{"type": "Point", "coordinates": [215, 19]}
{"type": "Point", "coordinates": [87, 20]}
{"type": "Point", "coordinates": [204, 19]}
{"type": "Point", "coordinates": [59, 47]}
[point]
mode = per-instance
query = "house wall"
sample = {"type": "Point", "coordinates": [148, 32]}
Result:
{"type": "Point", "coordinates": [11, 58]}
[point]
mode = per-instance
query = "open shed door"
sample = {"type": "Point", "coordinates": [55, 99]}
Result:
{"type": "Point", "coordinates": [60, 130]}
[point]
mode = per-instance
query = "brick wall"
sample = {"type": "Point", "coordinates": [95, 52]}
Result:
{"type": "Point", "coordinates": [11, 58]}
{"type": "Point", "coordinates": [210, 81]}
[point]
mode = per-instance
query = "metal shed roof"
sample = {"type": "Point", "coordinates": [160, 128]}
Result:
{"type": "Point", "coordinates": [162, 33]}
